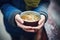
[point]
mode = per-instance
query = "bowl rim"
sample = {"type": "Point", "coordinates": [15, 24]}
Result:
{"type": "Point", "coordinates": [30, 11]}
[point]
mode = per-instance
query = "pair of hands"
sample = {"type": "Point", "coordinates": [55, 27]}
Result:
{"type": "Point", "coordinates": [20, 22]}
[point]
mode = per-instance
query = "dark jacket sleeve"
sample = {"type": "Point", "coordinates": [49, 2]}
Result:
{"type": "Point", "coordinates": [9, 13]}
{"type": "Point", "coordinates": [3, 2]}
{"type": "Point", "coordinates": [42, 9]}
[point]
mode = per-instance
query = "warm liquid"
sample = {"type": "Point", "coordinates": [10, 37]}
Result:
{"type": "Point", "coordinates": [30, 17]}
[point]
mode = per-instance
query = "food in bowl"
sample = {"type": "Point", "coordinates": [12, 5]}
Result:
{"type": "Point", "coordinates": [30, 17]}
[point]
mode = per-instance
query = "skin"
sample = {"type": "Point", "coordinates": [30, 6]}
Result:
{"type": "Point", "coordinates": [20, 22]}
{"type": "Point", "coordinates": [38, 29]}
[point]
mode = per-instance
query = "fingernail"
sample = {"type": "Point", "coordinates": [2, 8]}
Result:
{"type": "Point", "coordinates": [22, 22]}
{"type": "Point", "coordinates": [38, 23]}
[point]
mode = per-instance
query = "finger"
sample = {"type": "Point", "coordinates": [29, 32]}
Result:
{"type": "Point", "coordinates": [18, 18]}
{"type": "Point", "coordinates": [18, 24]}
{"type": "Point", "coordinates": [29, 30]}
{"type": "Point", "coordinates": [42, 19]}
{"type": "Point", "coordinates": [25, 29]}
{"type": "Point", "coordinates": [38, 27]}
{"type": "Point", "coordinates": [23, 26]}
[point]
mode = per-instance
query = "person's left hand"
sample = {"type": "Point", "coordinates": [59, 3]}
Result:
{"type": "Point", "coordinates": [40, 23]}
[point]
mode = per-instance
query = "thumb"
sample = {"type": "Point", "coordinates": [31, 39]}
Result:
{"type": "Point", "coordinates": [18, 18]}
{"type": "Point", "coordinates": [42, 19]}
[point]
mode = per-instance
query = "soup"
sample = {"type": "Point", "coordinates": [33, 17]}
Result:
{"type": "Point", "coordinates": [30, 17]}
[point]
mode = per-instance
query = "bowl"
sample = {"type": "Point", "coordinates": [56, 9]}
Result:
{"type": "Point", "coordinates": [30, 18]}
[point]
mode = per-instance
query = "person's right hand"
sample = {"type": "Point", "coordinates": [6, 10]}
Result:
{"type": "Point", "coordinates": [20, 22]}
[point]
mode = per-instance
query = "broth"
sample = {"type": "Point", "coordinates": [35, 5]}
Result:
{"type": "Point", "coordinates": [30, 17]}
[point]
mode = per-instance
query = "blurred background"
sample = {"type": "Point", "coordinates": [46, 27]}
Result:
{"type": "Point", "coordinates": [4, 35]}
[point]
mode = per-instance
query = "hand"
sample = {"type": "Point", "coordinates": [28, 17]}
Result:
{"type": "Point", "coordinates": [40, 23]}
{"type": "Point", "coordinates": [38, 29]}
{"type": "Point", "coordinates": [20, 22]}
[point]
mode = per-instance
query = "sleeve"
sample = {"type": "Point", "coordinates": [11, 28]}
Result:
{"type": "Point", "coordinates": [42, 9]}
{"type": "Point", "coordinates": [3, 2]}
{"type": "Point", "coordinates": [9, 13]}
